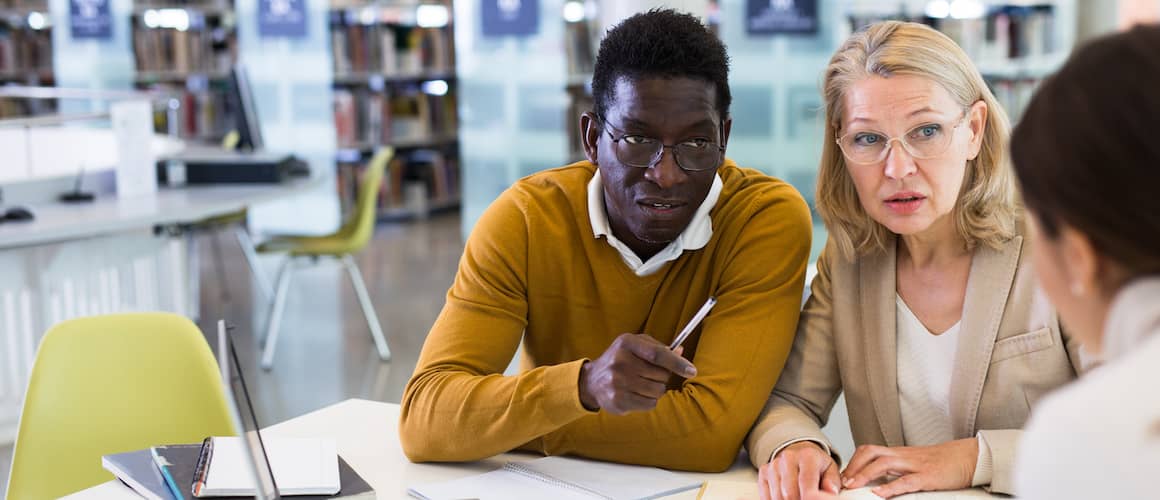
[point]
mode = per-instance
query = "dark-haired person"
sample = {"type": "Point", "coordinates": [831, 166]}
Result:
{"type": "Point", "coordinates": [597, 266]}
{"type": "Point", "coordinates": [1088, 159]}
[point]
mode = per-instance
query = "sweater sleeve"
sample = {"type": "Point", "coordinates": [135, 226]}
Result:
{"type": "Point", "coordinates": [742, 347]}
{"type": "Point", "coordinates": [458, 406]}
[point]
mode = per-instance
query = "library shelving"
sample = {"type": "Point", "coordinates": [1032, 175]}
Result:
{"type": "Point", "coordinates": [395, 84]}
{"type": "Point", "coordinates": [1014, 43]}
{"type": "Point", "coordinates": [25, 53]}
{"type": "Point", "coordinates": [187, 49]}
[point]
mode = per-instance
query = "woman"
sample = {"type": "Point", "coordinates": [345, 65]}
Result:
{"type": "Point", "coordinates": [924, 310]}
{"type": "Point", "coordinates": [1088, 159]}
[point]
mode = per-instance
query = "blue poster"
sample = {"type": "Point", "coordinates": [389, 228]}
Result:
{"type": "Point", "coordinates": [773, 17]}
{"type": "Point", "coordinates": [282, 18]}
{"type": "Point", "coordinates": [90, 19]}
{"type": "Point", "coordinates": [510, 17]}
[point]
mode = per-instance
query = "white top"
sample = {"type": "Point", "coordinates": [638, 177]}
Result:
{"type": "Point", "coordinates": [925, 364]}
{"type": "Point", "coordinates": [695, 236]}
{"type": "Point", "coordinates": [1099, 437]}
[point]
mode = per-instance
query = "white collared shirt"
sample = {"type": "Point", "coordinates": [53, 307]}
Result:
{"type": "Point", "coordinates": [694, 237]}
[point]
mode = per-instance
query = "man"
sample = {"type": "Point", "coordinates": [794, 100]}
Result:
{"type": "Point", "coordinates": [599, 264]}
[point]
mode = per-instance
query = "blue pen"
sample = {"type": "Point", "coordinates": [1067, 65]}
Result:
{"type": "Point", "coordinates": [162, 464]}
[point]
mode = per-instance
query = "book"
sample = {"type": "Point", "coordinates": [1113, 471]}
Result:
{"type": "Point", "coordinates": [138, 471]}
{"type": "Point", "coordinates": [560, 478]}
{"type": "Point", "coordinates": [183, 458]}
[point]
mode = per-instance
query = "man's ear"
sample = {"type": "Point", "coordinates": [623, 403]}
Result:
{"type": "Point", "coordinates": [590, 128]}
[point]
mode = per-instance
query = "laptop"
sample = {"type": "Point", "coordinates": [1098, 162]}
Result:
{"type": "Point", "coordinates": [245, 420]}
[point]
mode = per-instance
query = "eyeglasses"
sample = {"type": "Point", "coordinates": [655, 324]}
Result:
{"type": "Point", "coordinates": [922, 142]}
{"type": "Point", "coordinates": [692, 155]}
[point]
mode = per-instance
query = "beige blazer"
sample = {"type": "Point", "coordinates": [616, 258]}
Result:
{"type": "Point", "coordinates": [1011, 352]}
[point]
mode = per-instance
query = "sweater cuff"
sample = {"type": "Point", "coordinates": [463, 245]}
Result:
{"type": "Point", "coordinates": [984, 464]}
{"type": "Point", "coordinates": [565, 393]}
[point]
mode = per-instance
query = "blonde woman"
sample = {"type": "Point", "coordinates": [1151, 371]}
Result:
{"type": "Point", "coordinates": [924, 311]}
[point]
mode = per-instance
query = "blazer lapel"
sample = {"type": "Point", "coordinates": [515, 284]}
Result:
{"type": "Point", "coordinates": [989, 284]}
{"type": "Point", "coordinates": [877, 280]}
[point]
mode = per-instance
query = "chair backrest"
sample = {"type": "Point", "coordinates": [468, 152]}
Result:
{"type": "Point", "coordinates": [361, 224]}
{"type": "Point", "coordinates": [110, 384]}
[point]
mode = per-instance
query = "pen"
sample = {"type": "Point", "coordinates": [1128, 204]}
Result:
{"type": "Point", "coordinates": [163, 465]}
{"type": "Point", "coordinates": [701, 313]}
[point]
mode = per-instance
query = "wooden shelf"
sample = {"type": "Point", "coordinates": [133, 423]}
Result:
{"type": "Point", "coordinates": [177, 76]}
{"type": "Point", "coordinates": [356, 151]}
{"type": "Point", "coordinates": [365, 78]}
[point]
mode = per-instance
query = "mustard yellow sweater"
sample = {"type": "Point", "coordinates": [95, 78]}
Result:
{"type": "Point", "coordinates": [533, 270]}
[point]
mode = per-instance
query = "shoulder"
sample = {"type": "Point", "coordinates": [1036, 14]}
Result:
{"type": "Point", "coordinates": [755, 201]}
{"type": "Point", "coordinates": [749, 188]}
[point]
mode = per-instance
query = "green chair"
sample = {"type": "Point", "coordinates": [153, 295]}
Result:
{"type": "Point", "coordinates": [354, 234]}
{"type": "Point", "coordinates": [111, 384]}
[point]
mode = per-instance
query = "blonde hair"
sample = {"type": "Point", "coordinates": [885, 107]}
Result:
{"type": "Point", "coordinates": [987, 207]}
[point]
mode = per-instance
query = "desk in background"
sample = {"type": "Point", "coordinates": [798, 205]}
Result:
{"type": "Point", "coordinates": [101, 257]}
{"type": "Point", "coordinates": [367, 436]}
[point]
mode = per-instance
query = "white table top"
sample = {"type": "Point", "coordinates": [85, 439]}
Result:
{"type": "Point", "coordinates": [110, 214]}
{"type": "Point", "coordinates": [367, 437]}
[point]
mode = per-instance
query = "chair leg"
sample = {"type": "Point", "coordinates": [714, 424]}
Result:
{"type": "Point", "coordinates": [275, 319]}
{"type": "Point", "coordinates": [219, 265]}
{"type": "Point", "coordinates": [360, 289]}
{"type": "Point", "coordinates": [193, 275]}
{"type": "Point", "coordinates": [247, 245]}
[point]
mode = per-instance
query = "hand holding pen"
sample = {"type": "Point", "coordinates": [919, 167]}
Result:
{"type": "Point", "coordinates": [633, 373]}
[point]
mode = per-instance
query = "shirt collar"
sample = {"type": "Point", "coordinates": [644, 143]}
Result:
{"type": "Point", "coordinates": [694, 237]}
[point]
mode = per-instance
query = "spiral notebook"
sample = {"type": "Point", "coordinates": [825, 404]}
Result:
{"type": "Point", "coordinates": [560, 478]}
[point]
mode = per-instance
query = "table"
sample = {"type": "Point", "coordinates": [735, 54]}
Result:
{"type": "Point", "coordinates": [109, 214]}
{"type": "Point", "coordinates": [367, 437]}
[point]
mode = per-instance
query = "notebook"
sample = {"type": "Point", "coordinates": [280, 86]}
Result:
{"type": "Point", "coordinates": [301, 466]}
{"type": "Point", "coordinates": [560, 478]}
{"type": "Point", "coordinates": [137, 470]}
{"type": "Point", "coordinates": [182, 460]}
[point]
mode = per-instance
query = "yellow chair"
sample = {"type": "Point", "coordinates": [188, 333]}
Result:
{"type": "Point", "coordinates": [111, 384]}
{"type": "Point", "coordinates": [354, 234]}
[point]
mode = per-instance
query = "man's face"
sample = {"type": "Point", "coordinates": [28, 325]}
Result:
{"type": "Point", "coordinates": [649, 207]}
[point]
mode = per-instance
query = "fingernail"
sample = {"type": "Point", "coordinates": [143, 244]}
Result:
{"type": "Point", "coordinates": [835, 486]}
{"type": "Point", "coordinates": [846, 482]}
{"type": "Point", "coordinates": [690, 371]}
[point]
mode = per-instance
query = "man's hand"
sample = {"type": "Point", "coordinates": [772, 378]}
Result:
{"type": "Point", "coordinates": [631, 375]}
{"type": "Point", "coordinates": [946, 466]}
{"type": "Point", "coordinates": [800, 471]}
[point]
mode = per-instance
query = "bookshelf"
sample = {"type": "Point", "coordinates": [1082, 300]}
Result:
{"type": "Point", "coordinates": [25, 53]}
{"type": "Point", "coordinates": [395, 84]}
{"type": "Point", "coordinates": [187, 49]}
{"type": "Point", "coordinates": [1014, 43]}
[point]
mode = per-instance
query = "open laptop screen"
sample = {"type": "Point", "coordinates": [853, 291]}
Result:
{"type": "Point", "coordinates": [242, 411]}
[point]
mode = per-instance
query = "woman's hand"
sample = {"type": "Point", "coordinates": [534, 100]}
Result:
{"type": "Point", "coordinates": [946, 466]}
{"type": "Point", "coordinates": [800, 471]}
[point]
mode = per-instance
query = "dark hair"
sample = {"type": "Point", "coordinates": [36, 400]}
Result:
{"type": "Point", "coordinates": [660, 43]}
{"type": "Point", "coordinates": [1087, 153]}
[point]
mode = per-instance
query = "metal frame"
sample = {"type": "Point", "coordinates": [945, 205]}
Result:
{"type": "Point", "coordinates": [285, 275]}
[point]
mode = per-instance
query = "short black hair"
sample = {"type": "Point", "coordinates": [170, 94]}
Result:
{"type": "Point", "coordinates": [660, 43]}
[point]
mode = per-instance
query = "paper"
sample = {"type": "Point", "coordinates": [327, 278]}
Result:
{"type": "Point", "coordinates": [136, 162]}
{"type": "Point", "coordinates": [301, 467]}
{"type": "Point", "coordinates": [561, 478]}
